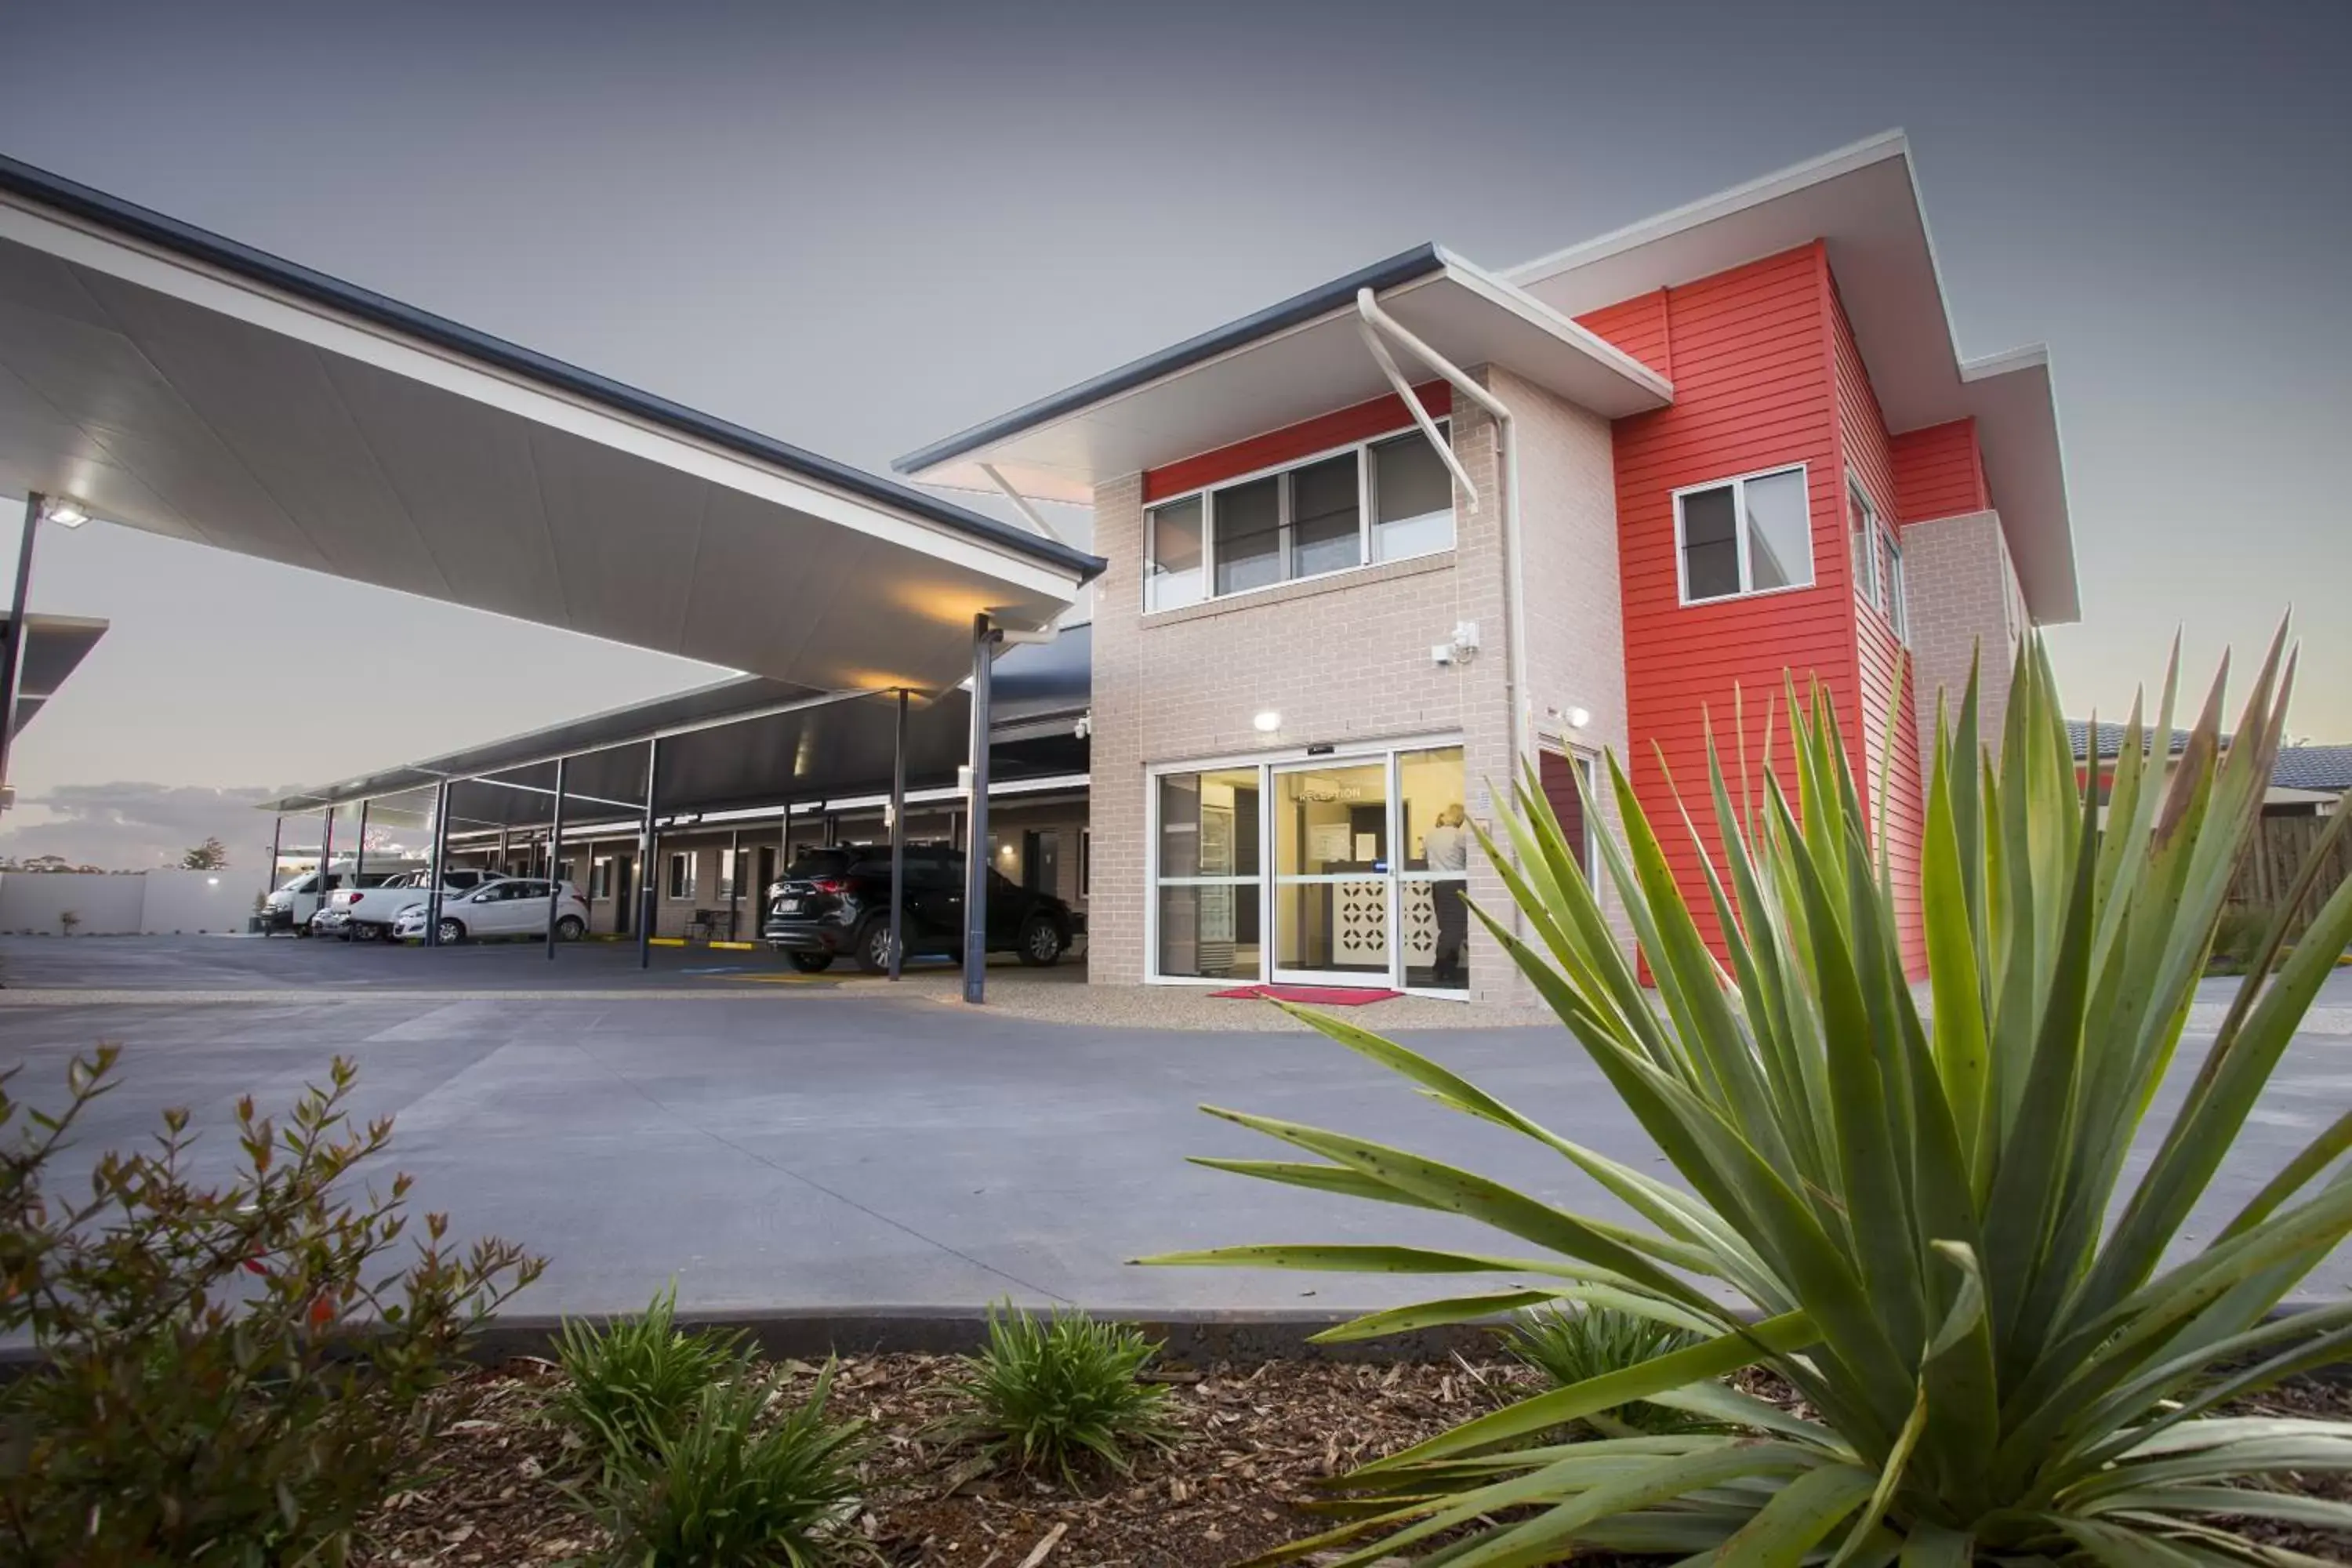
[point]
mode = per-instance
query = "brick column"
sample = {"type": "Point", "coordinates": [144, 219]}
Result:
{"type": "Point", "coordinates": [1962, 594]}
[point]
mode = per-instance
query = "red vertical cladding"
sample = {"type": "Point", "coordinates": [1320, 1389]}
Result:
{"type": "Point", "coordinates": [1755, 389]}
{"type": "Point", "coordinates": [1881, 661]}
{"type": "Point", "coordinates": [1639, 327]}
{"type": "Point", "coordinates": [1938, 473]}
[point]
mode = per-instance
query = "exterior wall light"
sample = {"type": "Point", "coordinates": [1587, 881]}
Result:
{"type": "Point", "coordinates": [66, 513]}
{"type": "Point", "coordinates": [1268, 722]}
{"type": "Point", "coordinates": [1577, 718]}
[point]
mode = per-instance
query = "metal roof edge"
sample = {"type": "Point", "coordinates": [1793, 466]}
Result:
{"type": "Point", "coordinates": [1508, 295]}
{"type": "Point", "coordinates": [1721, 204]}
{"type": "Point", "coordinates": [255, 266]}
{"type": "Point", "coordinates": [1402, 268]}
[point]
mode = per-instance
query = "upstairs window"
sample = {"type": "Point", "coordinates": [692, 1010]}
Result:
{"type": "Point", "coordinates": [1413, 497]}
{"type": "Point", "coordinates": [1385, 500]}
{"type": "Point", "coordinates": [1863, 520]}
{"type": "Point", "coordinates": [1748, 535]}
{"type": "Point", "coordinates": [1173, 553]}
{"type": "Point", "coordinates": [1891, 576]}
{"type": "Point", "coordinates": [1877, 561]}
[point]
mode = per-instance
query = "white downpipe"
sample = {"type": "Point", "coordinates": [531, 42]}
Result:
{"type": "Point", "coordinates": [1445, 449]}
{"type": "Point", "coordinates": [1515, 649]}
{"type": "Point", "coordinates": [1021, 502]}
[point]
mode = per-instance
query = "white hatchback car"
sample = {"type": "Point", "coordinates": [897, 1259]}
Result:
{"type": "Point", "coordinates": [508, 906]}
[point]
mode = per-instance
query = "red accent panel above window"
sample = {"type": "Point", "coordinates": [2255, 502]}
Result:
{"type": "Point", "coordinates": [1304, 439]}
{"type": "Point", "coordinates": [1938, 471]}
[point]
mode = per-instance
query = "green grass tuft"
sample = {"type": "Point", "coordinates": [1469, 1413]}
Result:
{"type": "Point", "coordinates": [1050, 1392]}
{"type": "Point", "coordinates": [733, 1484]}
{"type": "Point", "coordinates": [1573, 1344]}
{"type": "Point", "coordinates": [632, 1381]}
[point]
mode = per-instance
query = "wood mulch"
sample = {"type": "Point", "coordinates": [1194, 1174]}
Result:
{"type": "Point", "coordinates": [1254, 1440]}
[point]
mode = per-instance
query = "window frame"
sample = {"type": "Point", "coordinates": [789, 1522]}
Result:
{"type": "Point", "coordinates": [1207, 496]}
{"type": "Point", "coordinates": [680, 860]}
{"type": "Point", "coordinates": [1869, 588]}
{"type": "Point", "coordinates": [1737, 483]}
{"type": "Point", "coordinates": [1897, 608]}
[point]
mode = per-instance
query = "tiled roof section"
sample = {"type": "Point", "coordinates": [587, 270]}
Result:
{"type": "Point", "coordinates": [2314, 768]}
{"type": "Point", "coordinates": [2299, 767]}
{"type": "Point", "coordinates": [2111, 739]}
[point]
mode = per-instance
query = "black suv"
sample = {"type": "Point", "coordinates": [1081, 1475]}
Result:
{"type": "Point", "coordinates": [836, 899]}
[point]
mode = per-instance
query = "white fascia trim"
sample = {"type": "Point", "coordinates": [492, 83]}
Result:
{"type": "Point", "coordinates": [2029, 356]}
{"type": "Point", "coordinates": [1536, 313]}
{"type": "Point", "coordinates": [240, 301]}
{"type": "Point", "coordinates": [1722, 204]}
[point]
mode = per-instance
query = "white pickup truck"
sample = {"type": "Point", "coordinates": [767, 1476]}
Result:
{"type": "Point", "coordinates": [366, 913]}
{"type": "Point", "coordinates": [291, 907]}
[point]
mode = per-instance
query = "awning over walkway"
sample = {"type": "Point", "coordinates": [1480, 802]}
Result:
{"type": "Point", "coordinates": [740, 744]}
{"type": "Point", "coordinates": [55, 647]}
{"type": "Point", "coordinates": [184, 384]}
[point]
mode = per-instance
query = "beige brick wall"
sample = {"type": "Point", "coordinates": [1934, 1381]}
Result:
{"type": "Point", "coordinates": [1574, 604]}
{"type": "Point", "coordinates": [1347, 659]}
{"type": "Point", "coordinates": [1962, 594]}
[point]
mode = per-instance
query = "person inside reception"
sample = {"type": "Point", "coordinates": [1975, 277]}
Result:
{"type": "Point", "coordinates": [1446, 850]}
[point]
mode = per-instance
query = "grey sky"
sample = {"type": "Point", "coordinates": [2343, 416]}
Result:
{"type": "Point", "coordinates": [862, 227]}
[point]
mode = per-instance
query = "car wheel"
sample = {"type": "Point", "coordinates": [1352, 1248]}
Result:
{"type": "Point", "coordinates": [1041, 943]}
{"type": "Point", "coordinates": [453, 932]}
{"type": "Point", "coordinates": [571, 928]}
{"type": "Point", "coordinates": [874, 947]}
{"type": "Point", "coordinates": [810, 963]}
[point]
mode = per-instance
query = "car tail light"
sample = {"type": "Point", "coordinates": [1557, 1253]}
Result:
{"type": "Point", "coordinates": [355, 897]}
{"type": "Point", "coordinates": [830, 885]}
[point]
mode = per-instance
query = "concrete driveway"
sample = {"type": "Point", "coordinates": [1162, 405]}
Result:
{"type": "Point", "coordinates": [816, 1148]}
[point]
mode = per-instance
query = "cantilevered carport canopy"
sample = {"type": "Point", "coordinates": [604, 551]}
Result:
{"type": "Point", "coordinates": [735, 745]}
{"type": "Point", "coordinates": [180, 383]}
{"type": "Point", "coordinates": [55, 647]}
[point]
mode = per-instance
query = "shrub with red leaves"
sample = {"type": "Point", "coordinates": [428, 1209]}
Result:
{"type": "Point", "coordinates": [227, 1373]}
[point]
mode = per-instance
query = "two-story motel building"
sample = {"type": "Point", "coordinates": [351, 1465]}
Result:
{"type": "Point", "coordinates": [1374, 545]}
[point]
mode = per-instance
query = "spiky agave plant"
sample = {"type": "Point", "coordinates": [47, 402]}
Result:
{"type": "Point", "coordinates": [1921, 1213]}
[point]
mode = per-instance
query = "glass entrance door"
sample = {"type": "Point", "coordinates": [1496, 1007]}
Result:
{"type": "Point", "coordinates": [1434, 846]}
{"type": "Point", "coordinates": [1333, 881]}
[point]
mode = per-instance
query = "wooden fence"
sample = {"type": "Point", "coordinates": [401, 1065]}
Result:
{"type": "Point", "coordinates": [2275, 858]}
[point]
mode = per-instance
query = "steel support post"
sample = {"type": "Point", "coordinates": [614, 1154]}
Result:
{"type": "Point", "coordinates": [555, 859]}
{"type": "Point", "coordinates": [975, 854]}
{"type": "Point", "coordinates": [647, 891]}
{"type": "Point", "coordinates": [269, 882]}
{"type": "Point", "coordinates": [437, 873]}
{"type": "Point", "coordinates": [899, 836]}
{"type": "Point", "coordinates": [11, 650]}
{"type": "Point", "coordinates": [734, 881]}
{"type": "Point", "coordinates": [325, 879]}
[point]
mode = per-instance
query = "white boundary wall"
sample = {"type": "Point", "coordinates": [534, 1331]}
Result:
{"type": "Point", "coordinates": [152, 903]}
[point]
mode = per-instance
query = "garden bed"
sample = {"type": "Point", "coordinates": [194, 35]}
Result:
{"type": "Point", "coordinates": [1254, 1441]}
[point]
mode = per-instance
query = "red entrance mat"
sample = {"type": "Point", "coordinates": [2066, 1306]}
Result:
{"type": "Point", "coordinates": [1320, 995]}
